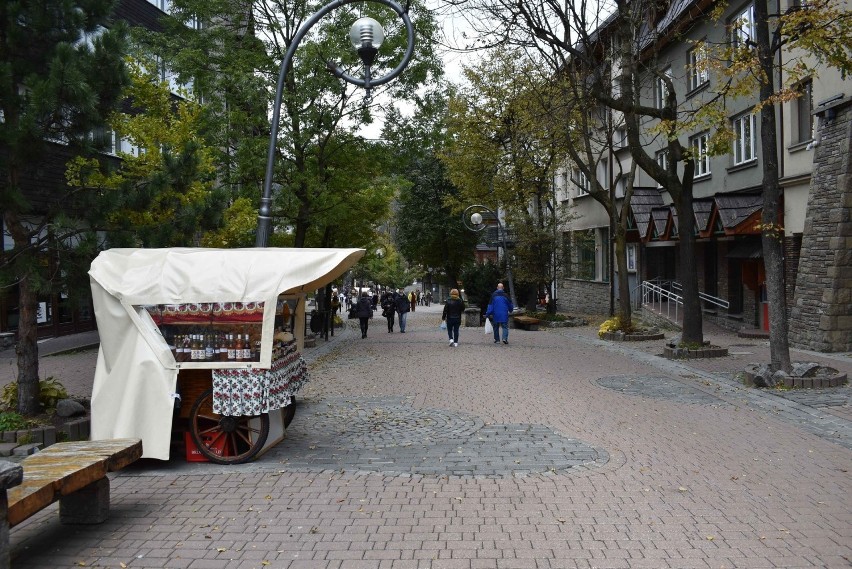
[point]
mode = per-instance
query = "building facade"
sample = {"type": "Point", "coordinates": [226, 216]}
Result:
{"type": "Point", "coordinates": [67, 311]}
{"type": "Point", "coordinates": [727, 186]}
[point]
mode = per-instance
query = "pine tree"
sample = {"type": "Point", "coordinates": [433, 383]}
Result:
{"type": "Point", "coordinates": [61, 74]}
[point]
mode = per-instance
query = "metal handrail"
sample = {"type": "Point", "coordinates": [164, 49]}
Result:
{"type": "Point", "coordinates": [720, 302]}
{"type": "Point", "coordinates": [654, 296]}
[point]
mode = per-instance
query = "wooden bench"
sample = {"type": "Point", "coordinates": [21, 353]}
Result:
{"type": "Point", "coordinates": [526, 322]}
{"type": "Point", "coordinates": [75, 473]}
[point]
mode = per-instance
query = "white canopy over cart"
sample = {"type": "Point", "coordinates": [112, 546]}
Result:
{"type": "Point", "coordinates": [137, 371]}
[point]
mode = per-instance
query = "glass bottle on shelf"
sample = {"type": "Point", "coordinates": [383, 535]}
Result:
{"type": "Point", "coordinates": [238, 348]}
{"type": "Point", "coordinates": [246, 348]}
{"type": "Point", "coordinates": [223, 348]}
{"type": "Point", "coordinates": [232, 349]}
{"type": "Point", "coordinates": [208, 348]}
{"type": "Point", "coordinates": [196, 348]}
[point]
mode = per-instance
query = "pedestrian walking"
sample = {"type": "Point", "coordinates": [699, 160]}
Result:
{"type": "Point", "coordinates": [389, 309]}
{"type": "Point", "coordinates": [453, 310]}
{"type": "Point", "coordinates": [402, 308]}
{"type": "Point", "coordinates": [412, 300]}
{"type": "Point", "coordinates": [364, 310]}
{"type": "Point", "coordinates": [498, 310]}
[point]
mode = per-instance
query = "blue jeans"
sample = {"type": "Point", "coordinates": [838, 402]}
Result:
{"type": "Point", "coordinates": [497, 326]}
{"type": "Point", "coordinates": [403, 316]}
{"type": "Point", "coordinates": [453, 329]}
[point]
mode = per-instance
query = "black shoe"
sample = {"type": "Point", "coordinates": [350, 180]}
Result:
{"type": "Point", "coordinates": [402, 331]}
{"type": "Point", "coordinates": [496, 341]}
{"type": "Point", "coordinates": [505, 341]}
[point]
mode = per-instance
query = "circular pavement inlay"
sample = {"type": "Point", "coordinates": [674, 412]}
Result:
{"type": "Point", "coordinates": [388, 435]}
{"type": "Point", "coordinates": [658, 388]}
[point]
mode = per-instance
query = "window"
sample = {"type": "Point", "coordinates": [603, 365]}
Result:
{"type": "Point", "coordinates": [742, 28]}
{"type": "Point", "coordinates": [662, 159]}
{"type": "Point", "coordinates": [804, 127]}
{"type": "Point", "coordinates": [164, 5]}
{"type": "Point", "coordinates": [698, 72]}
{"type": "Point", "coordinates": [699, 146]}
{"type": "Point", "coordinates": [744, 143]}
{"type": "Point", "coordinates": [661, 90]}
{"type": "Point", "coordinates": [584, 255]}
{"type": "Point", "coordinates": [582, 182]}
{"type": "Point", "coordinates": [605, 254]}
{"type": "Point", "coordinates": [619, 138]}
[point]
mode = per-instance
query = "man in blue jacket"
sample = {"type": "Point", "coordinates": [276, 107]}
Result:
{"type": "Point", "coordinates": [498, 310]}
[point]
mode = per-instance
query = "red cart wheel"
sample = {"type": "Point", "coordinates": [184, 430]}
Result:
{"type": "Point", "coordinates": [223, 439]}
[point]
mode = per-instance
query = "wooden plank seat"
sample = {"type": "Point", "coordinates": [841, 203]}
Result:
{"type": "Point", "coordinates": [75, 473]}
{"type": "Point", "coordinates": [526, 322]}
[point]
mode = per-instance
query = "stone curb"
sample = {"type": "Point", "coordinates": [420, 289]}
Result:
{"type": "Point", "coordinates": [693, 354]}
{"type": "Point", "coordinates": [43, 437]}
{"type": "Point", "coordinates": [618, 337]}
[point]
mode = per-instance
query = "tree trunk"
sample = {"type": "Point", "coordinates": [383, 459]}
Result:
{"type": "Point", "coordinates": [693, 326]}
{"type": "Point", "coordinates": [772, 233]}
{"type": "Point", "coordinates": [27, 350]}
{"type": "Point", "coordinates": [625, 314]}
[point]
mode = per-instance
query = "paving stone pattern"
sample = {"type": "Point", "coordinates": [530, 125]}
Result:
{"type": "Point", "coordinates": [677, 481]}
{"type": "Point", "coordinates": [389, 436]}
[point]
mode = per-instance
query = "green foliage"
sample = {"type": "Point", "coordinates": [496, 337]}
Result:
{"type": "Point", "coordinates": [62, 74]}
{"type": "Point", "coordinates": [329, 187]}
{"type": "Point", "coordinates": [503, 150]}
{"type": "Point", "coordinates": [11, 421]}
{"type": "Point", "coordinates": [480, 280]}
{"type": "Point", "coordinates": [164, 195]}
{"type": "Point", "coordinates": [50, 391]}
{"type": "Point", "coordinates": [547, 316]}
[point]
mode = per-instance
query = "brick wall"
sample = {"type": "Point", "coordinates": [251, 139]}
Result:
{"type": "Point", "coordinates": [583, 297]}
{"type": "Point", "coordinates": [821, 314]}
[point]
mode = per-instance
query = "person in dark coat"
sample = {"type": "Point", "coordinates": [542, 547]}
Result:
{"type": "Point", "coordinates": [364, 310]}
{"type": "Point", "coordinates": [453, 310]}
{"type": "Point", "coordinates": [499, 309]}
{"type": "Point", "coordinates": [402, 307]}
{"type": "Point", "coordinates": [389, 309]}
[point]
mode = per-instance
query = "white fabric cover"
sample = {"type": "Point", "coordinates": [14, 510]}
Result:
{"type": "Point", "coordinates": [136, 374]}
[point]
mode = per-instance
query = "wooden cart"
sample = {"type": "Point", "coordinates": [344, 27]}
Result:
{"type": "Point", "coordinates": [210, 339]}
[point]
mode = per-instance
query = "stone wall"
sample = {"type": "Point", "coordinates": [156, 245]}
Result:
{"type": "Point", "coordinates": [583, 297]}
{"type": "Point", "coordinates": [821, 315]}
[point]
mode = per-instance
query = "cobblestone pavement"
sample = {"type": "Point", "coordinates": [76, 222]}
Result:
{"type": "Point", "coordinates": [556, 451]}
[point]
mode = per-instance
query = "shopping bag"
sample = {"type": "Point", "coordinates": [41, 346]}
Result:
{"type": "Point", "coordinates": [443, 325]}
{"type": "Point", "coordinates": [489, 329]}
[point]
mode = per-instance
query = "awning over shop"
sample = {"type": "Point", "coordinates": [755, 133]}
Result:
{"type": "Point", "coordinates": [738, 212]}
{"type": "Point", "coordinates": [728, 214]}
{"type": "Point", "coordinates": [644, 200]}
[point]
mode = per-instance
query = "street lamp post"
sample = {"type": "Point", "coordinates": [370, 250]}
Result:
{"type": "Point", "coordinates": [366, 36]}
{"type": "Point", "coordinates": [472, 219]}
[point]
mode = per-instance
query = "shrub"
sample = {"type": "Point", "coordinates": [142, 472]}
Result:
{"type": "Point", "coordinates": [548, 317]}
{"type": "Point", "coordinates": [11, 421]}
{"type": "Point", "coordinates": [50, 391]}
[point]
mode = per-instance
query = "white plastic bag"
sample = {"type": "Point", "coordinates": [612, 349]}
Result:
{"type": "Point", "coordinates": [489, 329]}
{"type": "Point", "coordinates": [443, 325]}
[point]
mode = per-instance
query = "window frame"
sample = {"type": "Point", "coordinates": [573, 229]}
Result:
{"type": "Point", "coordinates": [698, 75]}
{"type": "Point", "coordinates": [739, 37]}
{"type": "Point", "coordinates": [744, 147]}
{"type": "Point", "coordinates": [581, 182]}
{"type": "Point", "coordinates": [806, 93]}
{"type": "Point", "coordinates": [660, 88]}
{"type": "Point", "coordinates": [699, 144]}
{"type": "Point", "coordinates": [662, 160]}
